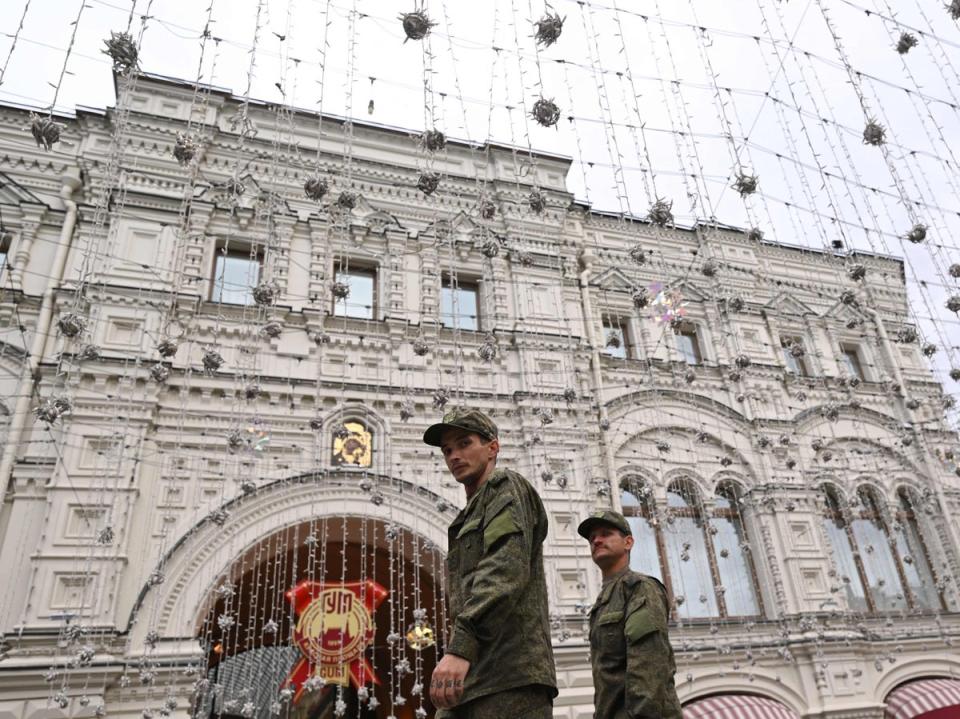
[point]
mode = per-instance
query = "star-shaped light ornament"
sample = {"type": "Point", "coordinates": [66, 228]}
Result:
{"type": "Point", "coordinates": [668, 305]}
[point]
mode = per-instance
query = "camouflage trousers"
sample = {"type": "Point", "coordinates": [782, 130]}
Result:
{"type": "Point", "coordinates": [531, 702]}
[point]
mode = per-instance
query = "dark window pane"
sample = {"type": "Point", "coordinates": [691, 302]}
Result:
{"type": "Point", "coordinates": [644, 557]}
{"type": "Point", "coordinates": [851, 358]}
{"type": "Point", "coordinates": [458, 307]}
{"type": "Point", "coordinates": [846, 566]}
{"type": "Point", "coordinates": [690, 568]}
{"type": "Point", "coordinates": [735, 567]}
{"type": "Point", "coordinates": [879, 565]}
{"type": "Point", "coordinates": [235, 274]}
{"type": "Point", "coordinates": [615, 341]}
{"type": "Point", "coordinates": [359, 303]}
{"type": "Point", "coordinates": [689, 346]}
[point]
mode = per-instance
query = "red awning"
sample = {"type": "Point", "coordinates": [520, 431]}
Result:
{"type": "Point", "coordinates": [920, 698]}
{"type": "Point", "coordinates": [737, 706]}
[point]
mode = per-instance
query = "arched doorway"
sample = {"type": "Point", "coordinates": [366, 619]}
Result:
{"type": "Point", "coordinates": [249, 627]}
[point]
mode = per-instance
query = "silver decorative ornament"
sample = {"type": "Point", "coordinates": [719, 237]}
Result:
{"type": "Point", "coordinates": [488, 350]}
{"type": "Point", "coordinates": [755, 234]}
{"type": "Point", "coordinates": [848, 297]}
{"type": "Point", "coordinates": [929, 349]}
{"type": "Point", "coordinates": [857, 272]}
{"type": "Point", "coordinates": [185, 148]}
{"type": "Point", "coordinates": [159, 373]}
{"type": "Point", "coordinates": [45, 131]}
{"type": "Point", "coordinates": [88, 353]}
{"type": "Point", "coordinates": [523, 257]}
{"type": "Point", "coordinates": [340, 290]}
{"type": "Point", "coordinates": [661, 213]}
{"type": "Point", "coordinates": [428, 182]}
{"type": "Point", "coordinates": [420, 346]}
{"type": "Point", "coordinates": [906, 335]}
{"type": "Point", "coordinates": [167, 347]}
{"type": "Point", "coordinates": [536, 201]}
{"type": "Point", "coordinates": [906, 42]}
{"type": "Point", "coordinates": [955, 270]}
{"type": "Point", "coordinates": [742, 361]}
{"type": "Point", "coordinates": [406, 410]}
{"type": "Point", "coordinates": [640, 297]}
{"type": "Point", "coordinates": [433, 140]}
{"type": "Point", "coordinates": [710, 268]}
{"type": "Point", "coordinates": [637, 254]}
{"type": "Point", "coordinates": [315, 188]}
{"type": "Point", "coordinates": [266, 293]}
{"type": "Point", "coordinates": [212, 361]}
{"type": "Point", "coordinates": [271, 329]}
{"type": "Point", "coordinates": [917, 234]}
{"type": "Point", "coordinates": [71, 325]}
{"type": "Point", "coordinates": [745, 184]}
{"type": "Point", "coordinates": [953, 304]}
{"type": "Point", "coordinates": [874, 134]}
{"type": "Point", "coordinates": [487, 208]}
{"type": "Point", "coordinates": [416, 25]}
{"type": "Point", "coordinates": [547, 29]}
{"type": "Point", "coordinates": [347, 200]}
{"type": "Point", "coordinates": [545, 112]}
{"type": "Point", "coordinates": [440, 398]}
{"type": "Point", "coordinates": [490, 247]}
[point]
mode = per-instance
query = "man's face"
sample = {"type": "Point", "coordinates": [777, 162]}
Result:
{"type": "Point", "coordinates": [609, 545]}
{"type": "Point", "coordinates": [467, 454]}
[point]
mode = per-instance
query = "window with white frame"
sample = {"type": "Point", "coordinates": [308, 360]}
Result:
{"type": "Point", "coordinates": [616, 338]}
{"type": "Point", "coordinates": [871, 555]}
{"type": "Point", "coordinates": [360, 300]}
{"type": "Point", "coordinates": [852, 360]}
{"type": "Point", "coordinates": [459, 303]}
{"type": "Point", "coordinates": [699, 552]}
{"type": "Point", "coordinates": [688, 343]}
{"type": "Point", "coordinates": [236, 271]}
{"type": "Point", "coordinates": [794, 355]}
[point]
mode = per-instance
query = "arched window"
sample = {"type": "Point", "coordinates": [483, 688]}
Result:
{"type": "Point", "coordinates": [699, 553]}
{"type": "Point", "coordinates": [688, 553]}
{"type": "Point", "coordinates": [914, 555]}
{"type": "Point", "coordinates": [849, 568]}
{"type": "Point", "coordinates": [732, 550]}
{"type": "Point", "coordinates": [880, 563]}
{"type": "Point", "coordinates": [647, 553]}
{"type": "Point", "coordinates": [883, 568]}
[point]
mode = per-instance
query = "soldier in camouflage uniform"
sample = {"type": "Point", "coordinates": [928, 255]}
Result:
{"type": "Point", "coordinates": [499, 660]}
{"type": "Point", "coordinates": [630, 652]}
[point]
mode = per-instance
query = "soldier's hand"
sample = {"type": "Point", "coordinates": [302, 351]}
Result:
{"type": "Point", "coordinates": [446, 686]}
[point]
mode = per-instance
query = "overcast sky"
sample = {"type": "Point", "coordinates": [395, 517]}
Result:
{"type": "Point", "coordinates": [635, 80]}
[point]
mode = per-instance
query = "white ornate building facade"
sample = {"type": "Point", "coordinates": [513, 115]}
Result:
{"type": "Point", "coordinates": [780, 449]}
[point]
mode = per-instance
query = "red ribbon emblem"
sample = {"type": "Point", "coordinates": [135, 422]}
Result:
{"type": "Point", "coordinates": [334, 627]}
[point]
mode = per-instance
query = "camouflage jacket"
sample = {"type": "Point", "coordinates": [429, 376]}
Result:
{"type": "Point", "coordinates": [497, 589]}
{"type": "Point", "coordinates": [630, 652]}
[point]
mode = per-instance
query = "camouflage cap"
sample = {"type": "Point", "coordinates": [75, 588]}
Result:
{"type": "Point", "coordinates": [608, 517]}
{"type": "Point", "coordinates": [472, 420]}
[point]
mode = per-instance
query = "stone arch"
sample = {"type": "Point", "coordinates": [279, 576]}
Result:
{"type": "Point", "coordinates": [203, 554]}
{"type": "Point", "coordinates": [764, 684]}
{"type": "Point", "coordinates": [941, 665]}
{"type": "Point", "coordinates": [686, 476]}
{"type": "Point", "coordinates": [725, 477]}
